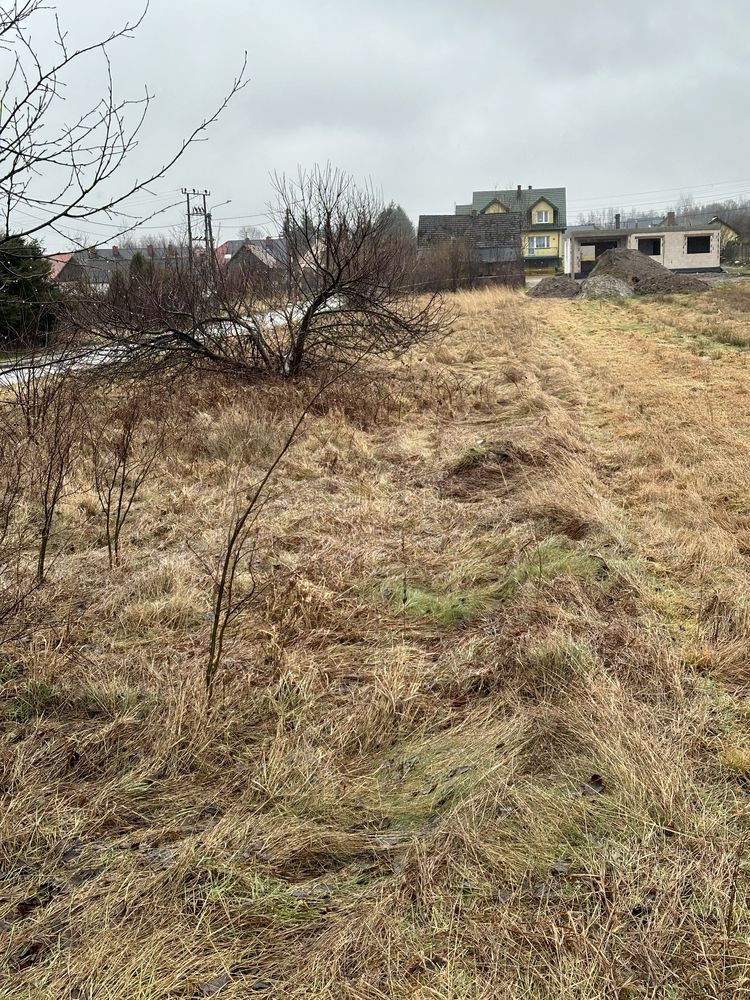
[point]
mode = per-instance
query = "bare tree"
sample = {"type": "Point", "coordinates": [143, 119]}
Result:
{"type": "Point", "coordinates": [124, 447]}
{"type": "Point", "coordinates": [15, 583]}
{"type": "Point", "coordinates": [40, 414]}
{"type": "Point", "coordinates": [250, 233]}
{"type": "Point", "coordinates": [344, 289]}
{"type": "Point", "coordinates": [449, 265]}
{"type": "Point", "coordinates": [240, 546]}
{"type": "Point", "coordinates": [59, 165]}
{"type": "Point", "coordinates": [349, 279]}
{"type": "Point", "coordinates": [51, 452]}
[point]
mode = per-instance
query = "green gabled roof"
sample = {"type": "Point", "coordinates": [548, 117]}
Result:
{"type": "Point", "coordinates": [516, 202]}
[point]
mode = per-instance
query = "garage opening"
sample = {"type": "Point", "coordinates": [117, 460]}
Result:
{"type": "Point", "coordinates": [591, 251]}
{"type": "Point", "coordinates": [651, 246]}
{"type": "Point", "coordinates": [699, 244]}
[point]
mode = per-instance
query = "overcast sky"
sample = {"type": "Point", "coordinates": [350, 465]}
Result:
{"type": "Point", "coordinates": [625, 103]}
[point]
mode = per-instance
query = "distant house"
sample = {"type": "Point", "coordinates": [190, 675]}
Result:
{"type": "Point", "coordinates": [543, 222]}
{"type": "Point", "coordinates": [680, 248]}
{"type": "Point", "coordinates": [267, 254]}
{"type": "Point", "coordinates": [58, 262]}
{"type": "Point", "coordinates": [97, 264]}
{"type": "Point", "coordinates": [474, 246]}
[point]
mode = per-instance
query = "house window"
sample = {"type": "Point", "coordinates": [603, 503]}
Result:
{"type": "Point", "coordinates": [542, 215]}
{"type": "Point", "coordinates": [538, 243]}
{"type": "Point", "coordinates": [699, 244]}
{"type": "Point", "coordinates": [651, 247]}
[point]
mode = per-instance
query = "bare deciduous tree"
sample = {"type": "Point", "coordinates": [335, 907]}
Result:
{"type": "Point", "coordinates": [344, 289]}
{"type": "Point", "coordinates": [41, 408]}
{"type": "Point", "coordinates": [450, 265]}
{"type": "Point", "coordinates": [50, 461]}
{"type": "Point", "coordinates": [124, 447]}
{"type": "Point", "coordinates": [15, 583]}
{"type": "Point", "coordinates": [240, 546]}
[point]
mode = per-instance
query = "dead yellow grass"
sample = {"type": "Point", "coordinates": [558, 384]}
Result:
{"type": "Point", "coordinates": [483, 735]}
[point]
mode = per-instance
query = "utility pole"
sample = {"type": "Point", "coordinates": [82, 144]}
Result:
{"type": "Point", "coordinates": [208, 239]}
{"type": "Point", "coordinates": [189, 228]}
{"type": "Point", "coordinates": [208, 229]}
{"type": "Point", "coordinates": [205, 219]}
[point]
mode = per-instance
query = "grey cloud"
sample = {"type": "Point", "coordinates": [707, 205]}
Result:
{"type": "Point", "coordinates": [433, 98]}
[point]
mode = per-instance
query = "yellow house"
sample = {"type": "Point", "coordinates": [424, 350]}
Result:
{"type": "Point", "coordinates": [542, 212]}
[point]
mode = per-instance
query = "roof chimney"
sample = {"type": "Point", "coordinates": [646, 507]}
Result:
{"type": "Point", "coordinates": [617, 220]}
{"type": "Point", "coordinates": [529, 187]}
{"type": "Point", "coordinates": [518, 192]}
{"type": "Point", "coordinates": [150, 249]}
{"type": "Point", "coordinates": [115, 251]}
{"type": "Point", "coordinates": [269, 239]}
{"type": "Point", "coordinates": [670, 218]}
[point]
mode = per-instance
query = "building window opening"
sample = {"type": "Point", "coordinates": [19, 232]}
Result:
{"type": "Point", "coordinates": [699, 244]}
{"type": "Point", "coordinates": [651, 247]}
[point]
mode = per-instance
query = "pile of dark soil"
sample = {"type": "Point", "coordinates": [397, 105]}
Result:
{"type": "Point", "coordinates": [561, 286]}
{"type": "Point", "coordinates": [670, 284]}
{"type": "Point", "coordinates": [490, 467]}
{"type": "Point", "coordinates": [644, 274]}
{"type": "Point", "coordinates": [631, 266]}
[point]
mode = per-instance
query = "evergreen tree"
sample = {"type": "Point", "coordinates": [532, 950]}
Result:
{"type": "Point", "coordinates": [27, 296]}
{"type": "Point", "coordinates": [118, 289]}
{"type": "Point", "coordinates": [141, 271]}
{"type": "Point", "coordinates": [398, 221]}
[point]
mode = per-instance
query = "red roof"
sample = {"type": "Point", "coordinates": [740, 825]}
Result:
{"type": "Point", "coordinates": [58, 262]}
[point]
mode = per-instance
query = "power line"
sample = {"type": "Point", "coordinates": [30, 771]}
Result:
{"type": "Point", "coordinates": [677, 190]}
{"type": "Point", "coordinates": [606, 206]}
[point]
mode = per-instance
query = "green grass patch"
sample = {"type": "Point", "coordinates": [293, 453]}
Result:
{"type": "Point", "coordinates": [419, 780]}
{"type": "Point", "coordinates": [10, 670]}
{"type": "Point", "coordinates": [447, 609]}
{"type": "Point", "coordinates": [554, 557]}
{"type": "Point", "coordinates": [504, 453]}
{"type": "Point", "coordinates": [552, 665]}
{"type": "Point", "coordinates": [36, 697]}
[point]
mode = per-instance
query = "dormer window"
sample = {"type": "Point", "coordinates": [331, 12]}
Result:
{"type": "Point", "coordinates": [541, 215]}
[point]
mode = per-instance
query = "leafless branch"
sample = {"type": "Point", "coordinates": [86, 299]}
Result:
{"type": "Point", "coordinates": [53, 173]}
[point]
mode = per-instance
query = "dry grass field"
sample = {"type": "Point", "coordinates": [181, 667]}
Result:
{"type": "Point", "coordinates": [483, 731]}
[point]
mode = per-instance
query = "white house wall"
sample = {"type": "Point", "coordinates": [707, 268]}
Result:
{"type": "Point", "coordinates": [674, 253]}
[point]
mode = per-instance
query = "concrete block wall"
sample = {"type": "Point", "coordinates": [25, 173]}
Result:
{"type": "Point", "coordinates": [674, 253]}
